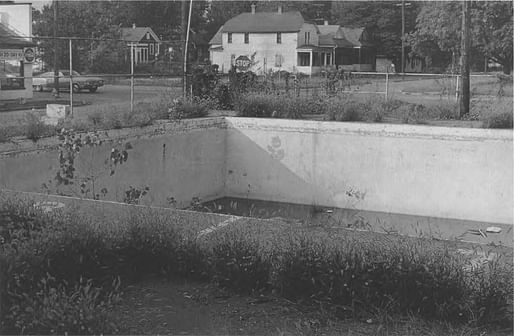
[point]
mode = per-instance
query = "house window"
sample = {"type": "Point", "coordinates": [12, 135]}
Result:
{"type": "Point", "coordinates": [304, 59]}
{"type": "Point", "coordinates": [329, 59]}
{"type": "Point", "coordinates": [247, 38]}
{"type": "Point", "coordinates": [229, 37]}
{"type": "Point", "coordinates": [307, 37]}
{"type": "Point", "coordinates": [278, 60]}
{"type": "Point", "coordinates": [151, 48]}
{"type": "Point", "coordinates": [147, 36]}
{"type": "Point", "coordinates": [279, 38]}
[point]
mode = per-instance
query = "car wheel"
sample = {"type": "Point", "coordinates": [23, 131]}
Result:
{"type": "Point", "coordinates": [76, 88]}
{"type": "Point", "coordinates": [93, 90]}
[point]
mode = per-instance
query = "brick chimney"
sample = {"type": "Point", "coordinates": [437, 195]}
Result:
{"type": "Point", "coordinates": [253, 8]}
{"type": "Point", "coordinates": [279, 9]}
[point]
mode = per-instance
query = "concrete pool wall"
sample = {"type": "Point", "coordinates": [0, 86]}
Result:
{"type": "Point", "coordinates": [416, 170]}
{"type": "Point", "coordinates": [180, 160]}
{"type": "Point", "coordinates": [457, 173]}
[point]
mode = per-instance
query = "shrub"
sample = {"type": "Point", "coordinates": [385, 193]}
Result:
{"type": "Point", "coordinates": [494, 114]}
{"type": "Point", "coordinates": [270, 106]}
{"type": "Point", "coordinates": [36, 129]}
{"type": "Point", "coordinates": [502, 120]}
{"type": "Point", "coordinates": [184, 109]}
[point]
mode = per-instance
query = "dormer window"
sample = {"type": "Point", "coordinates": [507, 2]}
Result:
{"type": "Point", "coordinates": [229, 36]}
{"type": "Point", "coordinates": [247, 38]}
{"type": "Point", "coordinates": [147, 36]}
{"type": "Point", "coordinates": [307, 37]}
{"type": "Point", "coordinates": [279, 38]}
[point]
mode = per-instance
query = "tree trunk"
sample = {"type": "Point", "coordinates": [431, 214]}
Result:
{"type": "Point", "coordinates": [464, 61]}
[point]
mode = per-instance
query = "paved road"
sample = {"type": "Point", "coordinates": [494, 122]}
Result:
{"type": "Point", "coordinates": [109, 95]}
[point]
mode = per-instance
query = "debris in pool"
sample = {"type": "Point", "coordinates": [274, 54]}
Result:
{"type": "Point", "coordinates": [493, 229]}
{"type": "Point", "coordinates": [329, 211]}
{"type": "Point", "coordinates": [477, 232]}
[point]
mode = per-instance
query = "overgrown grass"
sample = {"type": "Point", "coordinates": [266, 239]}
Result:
{"type": "Point", "coordinates": [35, 128]}
{"type": "Point", "coordinates": [494, 114]}
{"type": "Point", "coordinates": [343, 108]}
{"type": "Point", "coordinates": [60, 272]}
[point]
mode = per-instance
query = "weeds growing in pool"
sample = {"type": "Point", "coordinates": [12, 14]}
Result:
{"type": "Point", "coordinates": [355, 276]}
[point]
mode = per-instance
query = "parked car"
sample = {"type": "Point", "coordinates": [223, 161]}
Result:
{"type": "Point", "coordinates": [45, 82]}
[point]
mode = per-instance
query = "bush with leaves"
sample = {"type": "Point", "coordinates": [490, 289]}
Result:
{"type": "Point", "coordinates": [186, 109]}
{"type": "Point", "coordinates": [36, 129]}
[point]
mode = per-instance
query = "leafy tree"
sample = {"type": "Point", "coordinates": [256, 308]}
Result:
{"type": "Point", "coordinates": [438, 29]}
{"type": "Point", "coordinates": [382, 18]}
{"type": "Point", "coordinates": [78, 19]}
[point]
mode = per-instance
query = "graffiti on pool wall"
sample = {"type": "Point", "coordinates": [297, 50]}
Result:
{"type": "Point", "coordinates": [275, 148]}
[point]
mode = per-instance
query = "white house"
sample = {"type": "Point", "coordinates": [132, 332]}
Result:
{"type": "Point", "coordinates": [146, 43]}
{"type": "Point", "coordinates": [282, 41]}
{"type": "Point", "coordinates": [16, 51]}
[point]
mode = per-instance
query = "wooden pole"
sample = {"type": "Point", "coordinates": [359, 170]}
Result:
{"type": "Point", "coordinates": [403, 38]}
{"type": "Point", "coordinates": [464, 61]}
{"type": "Point", "coordinates": [71, 79]}
{"type": "Point", "coordinates": [56, 49]}
{"type": "Point", "coordinates": [132, 78]}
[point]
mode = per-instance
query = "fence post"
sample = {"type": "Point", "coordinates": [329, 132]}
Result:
{"type": "Point", "coordinates": [457, 88]}
{"type": "Point", "coordinates": [387, 85]}
{"type": "Point", "coordinates": [71, 79]}
{"type": "Point", "coordinates": [132, 78]}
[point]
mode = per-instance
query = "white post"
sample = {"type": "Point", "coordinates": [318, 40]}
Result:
{"type": "Point", "coordinates": [387, 84]}
{"type": "Point", "coordinates": [71, 80]}
{"type": "Point", "coordinates": [457, 88]}
{"type": "Point", "coordinates": [131, 77]}
{"type": "Point", "coordinates": [185, 48]}
{"type": "Point", "coordinates": [310, 63]}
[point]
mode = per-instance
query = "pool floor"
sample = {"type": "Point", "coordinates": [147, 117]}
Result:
{"type": "Point", "coordinates": [313, 215]}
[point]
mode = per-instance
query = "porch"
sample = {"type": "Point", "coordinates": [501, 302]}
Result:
{"type": "Point", "coordinates": [311, 59]}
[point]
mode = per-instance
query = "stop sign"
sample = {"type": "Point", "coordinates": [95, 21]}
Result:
{"type": "Point", "coordinates": [243, 63]}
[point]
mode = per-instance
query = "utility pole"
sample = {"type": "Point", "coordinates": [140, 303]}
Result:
{"type": "Point", "coordinates": [403, 4]}
{"type": "Point", "coordinates": [464, 61]}
{"type": "Point", "coordinates": [183, 24]}
{"type": "Point", "coordinates": [56, 49]}
{"type": "Point", "coordinates": [403, 37]}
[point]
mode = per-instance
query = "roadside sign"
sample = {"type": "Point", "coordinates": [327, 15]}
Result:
{"type": "Point", "coordinates": [11, 54]}
{"type": "Point", "coordinates": [29, 55]}
{"type": "Point", "coordinates": [242, 63]}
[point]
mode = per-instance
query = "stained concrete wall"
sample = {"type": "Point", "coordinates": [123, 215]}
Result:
{"type": "Point", "coordinates": [181, 160]}
{"type": "Point", "coordinates": [417, 170]}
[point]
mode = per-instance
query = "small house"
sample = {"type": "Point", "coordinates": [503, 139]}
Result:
{"type": "Point", "coordinates": [145, 42]}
